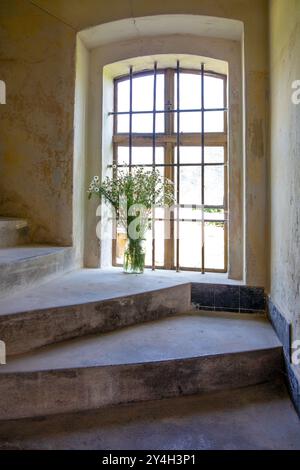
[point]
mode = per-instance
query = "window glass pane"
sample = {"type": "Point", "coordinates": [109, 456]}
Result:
{"type": "Point", "coordinates": [214, 245]}
{"type": "Point", "coordinates": [188, 154]}
{"type": "Point", "coordinates": [123, 95]}
{"type": "Point", "coordinates": [213, 214]}
{"type": "Point", "coordinates": [189, 184]}
{"type": "Point", "coordinates": [144, 155]}
{"type": "Point", "coordinates": [194, 212]}
{"type": "Point", "coordinates": [190, 176]}
{"type": "Point", "coordinates": [159, 245]}
{"type": "Point", "coordinates": [190, 245]}
{"type": "Point", "coordinates": [214, 155]}
{"type": "Point", "coordinates": [214, 92]}
{"type": "Point", "coordinates": [214, 121]}
{"type": "Point", "coordinates": [189, 122]}
{"type": "Point", "coordinates": [122, 156]}
{"type": "Point", "coordinates": [214, 185]}
{"type": "Point", "coordinates": [189, 98]}
{"type": "Point", "coordinates": [143, 92]}
{"type": "Point", "coordinates": [160, 91]}
{"type": "Point", "coordinates": [189, 90]}
{"type": "Point", "coordinates": [140, 155]}
{"type": "Point", "coordinates": [160, 213]}
{"type": "Point", "coordinates": [143, 123]}
{"type": "Point", "coordinates": [142, 100]}
{"type": "Point", "coordinates": [190, 212]}
{"type": "Point", "coordinates": [160, 123]}
{"type": "Point", "coordinates": [192, 122]}
{"type": "Point", "coordinates": [123, 123]}
{"type": "Point", "coordinates": [192, 154]}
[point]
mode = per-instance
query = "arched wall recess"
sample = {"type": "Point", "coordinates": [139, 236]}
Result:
{"type": "Point", "coordinates": [108, 50]}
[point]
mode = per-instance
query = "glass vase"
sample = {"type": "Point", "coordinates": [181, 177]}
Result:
{"type": "Point", "coordinates": [134, 256]}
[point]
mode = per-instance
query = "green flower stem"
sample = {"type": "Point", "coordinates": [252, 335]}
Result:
{"type": "Point", "coordinates": [134, 256]}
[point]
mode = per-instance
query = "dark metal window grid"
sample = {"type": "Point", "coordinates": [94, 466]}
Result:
{"type": "Point", "coordinates": [131, 139]}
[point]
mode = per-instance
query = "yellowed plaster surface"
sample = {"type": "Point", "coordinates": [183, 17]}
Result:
{"type": "Point", "coordinates": [36, 132]}
{"type": "Point", "coordinates": [80, 149]}
{"type": "Point", "coordinates": [285, 161]}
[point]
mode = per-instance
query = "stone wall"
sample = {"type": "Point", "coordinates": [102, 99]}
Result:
{"type": "Point", "coordinates": [37, 56]}
{"type": "Point", "coordinates": [37, 62]}
{"type": "Point", "coordinates": [285, 162]}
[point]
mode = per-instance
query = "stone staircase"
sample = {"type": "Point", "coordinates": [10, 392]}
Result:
{"type": "Point", "coordinates": [178, 356]}
{"type": "Point", "coordinates": [92, 339]}
{"type": "Point", "coordinates": [260, 417]}
{"type": "Point", "coordinates": [13, 232]}
{"type": "Point", "coordinates": [23, 264]}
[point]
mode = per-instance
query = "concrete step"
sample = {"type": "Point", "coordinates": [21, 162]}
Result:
{"type": "Point", "coordinates": [13, 232]}
{"type": "Point", "coordinates": [25, 266]}
{"type": "Point", "coordinates": [87, 301]}
{"type": "Point", "coordinates": [261, 417]}
{"type": "Point", "coordinates": [183, 355]}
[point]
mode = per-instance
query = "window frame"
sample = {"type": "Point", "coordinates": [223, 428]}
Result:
{"type": "Point", "coordinates": [168, 140]}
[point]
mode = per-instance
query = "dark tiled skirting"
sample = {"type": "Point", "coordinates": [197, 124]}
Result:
{"type": "Point", "coordinates": [231, 298]}
{"type": "Point", "coordinates": [283, 331]}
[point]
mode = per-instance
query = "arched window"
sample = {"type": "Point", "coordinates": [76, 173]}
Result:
{"type": "Point", "coordinates": [176, 120]}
